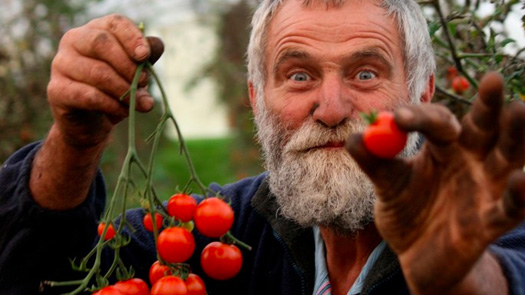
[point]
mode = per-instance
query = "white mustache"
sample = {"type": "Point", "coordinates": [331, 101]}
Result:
{"type": "Point", "coordinates": [313, 135]}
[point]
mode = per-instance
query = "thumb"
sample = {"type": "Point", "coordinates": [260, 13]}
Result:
{"type": "Point", "coordinates": [157, 48]}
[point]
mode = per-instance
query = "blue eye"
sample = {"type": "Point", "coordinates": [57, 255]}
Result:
{"type": "Point", "coordinates": [366, 75]}
{"type": "Point", "coordinates": [300, 77]}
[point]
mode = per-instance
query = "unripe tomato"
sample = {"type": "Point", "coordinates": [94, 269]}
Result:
{"type": "Point", "coordinates": [221, 261]}
{"type": "Point", "coordinates": [383, 138]}
{"type": "Point", "coordinates": [175, 244]}
{"type": "Point", "coordinates": [133, 286]}
{"type": "Point", "coordinates": [158, 271]}
{"type": "Point", "coordinates": [109, 290]}
{"type": "Point", "coordinates": [110, 233]}
{"type": "Point", "coordinates": [169, 285]}
{"type": "Point", "coordinates": [148, 223]}
{"type": "Point", "coordinates": [195, 285]}
{"type": "Point", "coordinates": [213, 217]}
{"type": "Point", "coordinates": [460, 84]}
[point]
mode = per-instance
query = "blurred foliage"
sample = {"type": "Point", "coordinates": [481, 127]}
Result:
{"type": "Point", "coordinates": [470, 44]}
{"type": "Point", "coordinates": [29, 33]}
{"type": "Point", "coordinates": [227, 68]}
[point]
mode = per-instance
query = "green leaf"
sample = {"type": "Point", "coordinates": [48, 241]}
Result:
{"type": "Point", "coordinates": [507, 41]}
{"type": "Point", "coordinates": [433, 27]}
{"type": "Point", "coordinates": [452, 28]}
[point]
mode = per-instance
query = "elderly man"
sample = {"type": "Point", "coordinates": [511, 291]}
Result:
{"type": "Point", "coordinates": [440, 221]}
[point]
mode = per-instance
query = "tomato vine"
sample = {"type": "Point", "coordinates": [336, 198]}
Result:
{"type": "Point", "coordinates": [92, 262]}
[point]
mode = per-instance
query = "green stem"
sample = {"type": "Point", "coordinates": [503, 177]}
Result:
{"type": "Point", "coordinates": [182, 143]}
{"type": "Point", "coordinates": [228, 236]}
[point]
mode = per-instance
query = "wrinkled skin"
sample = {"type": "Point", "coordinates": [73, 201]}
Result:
{"type": "Point", "coordinates": [462, 191]}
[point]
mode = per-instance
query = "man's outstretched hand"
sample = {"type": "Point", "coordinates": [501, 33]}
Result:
{"type": "Point", "coordinates": [440, 209]}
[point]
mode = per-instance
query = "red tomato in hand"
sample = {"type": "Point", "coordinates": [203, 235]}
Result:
{"type": "Point", "coordinates": [213, 217]}
{"type": "Point", "coordinates": [148, 223]}
{"type": "Point", "coordinates": [383, 138]}
{"type": "Point", "coordinates": [109, 290]}
{"type": "Point", "coordinates": [195, 285]}
{"type": "Point", "coordinates": [110, 232]}
{"type": "Point", "coordinates": [169, 285]}
{"type": "Point", "coordinates": [221, 261]}
{"type": "Point", "coordinates": [460, 84]}
{"type": "Point", "coordinates": [133, 286]}
{"type": "Point", "coordinates": [175, 244]}
{"type": "Point", "coordinates": [182, 207]}
{"type": "Point", "coordinates": [158, 271]}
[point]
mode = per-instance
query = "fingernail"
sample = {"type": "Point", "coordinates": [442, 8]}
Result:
{"type": "Point", "coordinates": [141, 51]}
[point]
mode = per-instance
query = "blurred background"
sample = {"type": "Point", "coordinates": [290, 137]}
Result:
{"type": "Point", "coordinates": [203, 71]}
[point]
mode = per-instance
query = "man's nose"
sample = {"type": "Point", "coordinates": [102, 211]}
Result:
{"type": "Point", "coordinates": [331, 108]}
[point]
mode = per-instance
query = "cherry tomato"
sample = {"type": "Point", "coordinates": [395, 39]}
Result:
{"type": "Point", "coordinates": [109, 234]}
{"type": "Point", "coordinates": [133, 286]}
{"type": "Point", "coordinates": [460, 84]}
{"type": "Point", "coordinates": [169, 285]}
{"type": "Point", "coordinates": [158, 271]}
{"type": "Point", "coordinates": [221, 261]}
{"type": "Point", "coordinates": [109, 290]}
{"type": "Point", "coordinates": [148, 224]}
{"type": "Point", "coordinates": [383, 138]}
{"type": "Point", "coordinates": [195, 285]}
{"type": "Point", "coordinates": [213, 217]}
{"type": "Point", "coordinates": [175, 244]}
{"type": "Point", "coordinates": [452, 72]}
{"type": "Point", "coordinates": [182, 207]}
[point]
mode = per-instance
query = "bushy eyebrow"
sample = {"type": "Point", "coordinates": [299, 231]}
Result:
{"type": "Point", "coordinates": [370, 53]}
{"type": "Point", "coordinates": [365, 54]}
{"type": "Point", "coordinates": [290, 54]}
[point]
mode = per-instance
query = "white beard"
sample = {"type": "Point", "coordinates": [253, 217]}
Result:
{"type": "Point", "coordinates": [317, 186]}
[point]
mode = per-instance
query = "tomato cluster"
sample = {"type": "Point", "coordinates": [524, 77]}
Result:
{"type": "Point", "coordinates": [175, 244]}
{"type": "Point", "coordinates": [213, 218]}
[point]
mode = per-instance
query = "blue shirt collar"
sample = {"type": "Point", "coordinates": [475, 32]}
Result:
{"type": "Point", "coordinates": [322, 280]}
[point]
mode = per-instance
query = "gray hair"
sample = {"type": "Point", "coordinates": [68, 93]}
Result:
{"type": "Point", "coordinates": [417, 47]}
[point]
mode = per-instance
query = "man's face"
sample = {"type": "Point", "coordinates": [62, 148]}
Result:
{"type": "Point", "coordinates": [324, 67]}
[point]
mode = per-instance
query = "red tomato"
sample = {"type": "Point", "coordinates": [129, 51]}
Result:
{"type": "Point", "coordinates": [182, 207]}
{"type": "Point", "coordinates": [213, 217]}
{"type": "Point", "coordinates": [195, 285]}
{"type": "Point", "coordinates": [169, 285]}
{"type": "Point", "coordinates": [383, 138]}
{"type": "Point", "coordinates": [452, 72]}
{"type": "Point", "coordinates": [158, 271]}
{"type": "Point", "coordinates": [221, 261]}
{"type": "Point", "coordinates": [109, 290]}
{"type": "Point", "coordinates": [133, 286]}
{"type": "Point", "coordinates": [175, 244]}
{"type": "Point", "coordinates": [460, 84]}
{"type": "Point", "coordinates": [109, 234]}
{"type": "Point", "coordinates": [148, 224]}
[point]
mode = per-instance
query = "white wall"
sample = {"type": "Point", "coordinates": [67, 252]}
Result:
{"type": "Point", "coordinates": [189, 46]}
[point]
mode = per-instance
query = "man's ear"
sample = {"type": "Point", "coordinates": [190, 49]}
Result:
{"type": "Point", "coordinates": [252, 92]}
{"type": "Point", "coordinates": [430, 88]}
